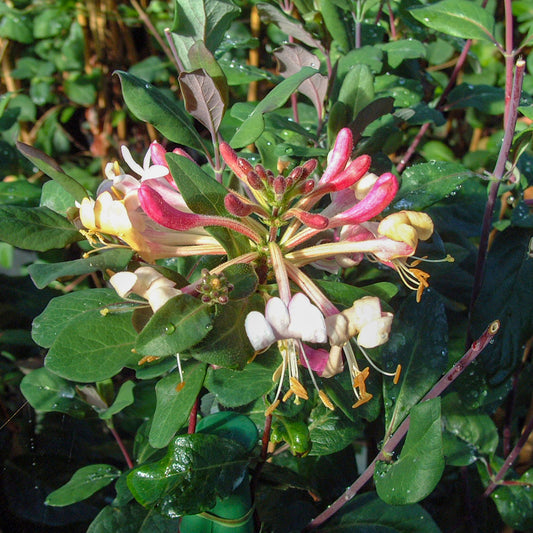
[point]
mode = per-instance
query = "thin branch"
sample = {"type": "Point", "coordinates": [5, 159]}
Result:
{"type": "Point", "coordinates": [118, 440]}
{"type": "Point", "coordinates": [450, 376]}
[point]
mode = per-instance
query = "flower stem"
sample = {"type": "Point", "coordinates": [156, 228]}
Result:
{"type": "Point", "coordinates": [499, 170]}
{"type": "Point", "coordinates": [118, 440]}
{"type": "Point", "coordinates": [450, 376]}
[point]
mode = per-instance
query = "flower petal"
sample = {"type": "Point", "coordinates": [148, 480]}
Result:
{"type": "Point", "coordinates": [307, 322]}
{"type": "Point", "coordinates": [258, 331]}
{"type": "Point", "coordinates": [278, 317]}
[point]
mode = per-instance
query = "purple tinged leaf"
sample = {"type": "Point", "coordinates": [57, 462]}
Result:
{"type": "Point", "coordinates": [287, 24]}
{"type": "Point", "coordinates": [202, 99]}
{"type": "Point", "coordinates": [291, 59]}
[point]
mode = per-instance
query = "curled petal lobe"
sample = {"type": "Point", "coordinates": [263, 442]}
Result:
{"type": "Point", "coordinates": [375, 333]}
{"type": "Point", "coordinates": [317, 359]}
{"type": "Point", "coordinates": [277, 315]}
{"type": "Point", "coordinates": [407, 226]}
{"type": "Point", "coordinates": [307, 322]}
{"type": "Point", "coordinates": [259, 331]}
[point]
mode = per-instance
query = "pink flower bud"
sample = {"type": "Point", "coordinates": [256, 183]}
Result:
{"type": "Point", "coordinates": [339, 156]}
{"type": "Point", "coordinates": [279, 185]}
{"type": "Point", "coordinates": [379, 197]}
{"type": "Point", "coordinates": [231, 158]}
{"type": "Point", "coordinates": [244, 165]}
{"type": "Point", "coordinates": [255, 181]}
{"type": "Point", "coordinates": [236, 206]}
{"type": "Point", "coordinates": [313, 220]}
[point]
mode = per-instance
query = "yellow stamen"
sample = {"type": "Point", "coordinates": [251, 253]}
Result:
{"type": "Point", "coordinates": [359, 380]}
{"type": "Point", "coordinates": [365, 398]}
{"type": "Point", "coordinates": [325, 400]}
{"type": "Point", "coordinates": [287, 395]}
{"type": "Point", "coordinates": [148, 359]}
{"type": "Point", "coordinates": [298, 388]}
{"type": "Point", "coordinates": [397, 374]}
{"type": "Point", "coordinates": [272, 408]}
{"type": "Point", "coordinates": [180, 386]}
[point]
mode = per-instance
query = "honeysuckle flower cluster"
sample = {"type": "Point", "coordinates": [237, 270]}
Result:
{"type": "Point", "coordinates": [277, 214]}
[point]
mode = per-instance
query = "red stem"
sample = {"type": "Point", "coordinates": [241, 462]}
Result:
{"type": "Point", "coordinates": [448, 378]}
{"type": "Point", "coordinates": [193, 417]}
{"type": "Point", "coordinates": [125, 453]}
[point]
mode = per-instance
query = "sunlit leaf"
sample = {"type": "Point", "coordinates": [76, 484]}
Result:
{"type": "Point", "coordinates": [419, 468]}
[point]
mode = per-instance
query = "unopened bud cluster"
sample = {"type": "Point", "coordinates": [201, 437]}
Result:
{"type": "Point", "coordinates": [214, 288]}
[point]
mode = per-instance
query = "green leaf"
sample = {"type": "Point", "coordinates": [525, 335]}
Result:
{"type": "Point", "coordinates": [36, 228]}
{"type": "Point", "coordinates": [196, 470]}
{"type": "Point", "coordinates": [229, 425]}
{"type": "Point", "coordinates": [56, 198]}
{"type": "Point", "coordinates": [123, 399]}
{"type": "Point", "coordinates": [84, 483]}
{"type": "Point", "coordinates": [398, 51]}
{"type": "Point", "coordinates": [506, 295]}
{"type": "Point", "coordinates": [150, 105]}
{"type": "Point", "coordinates": [227, 344]}
{"type": "Point", "coordinates": [81, 88]}
{"type": "Point", "coordinates": [469, 433]}
{"type": "Point", "coordinates": [244, 280]}
{"type": "Point", "coordinates": [421, 463]}
{"type": "Point", "coordinates": [180, 324]}
{"type": "Point", "coordinates": [357, 89]}
{"type": "Point", "coordinates": [459, 18]}
{"type": "Point", "coordinates": [59, 311]}
{"type": "Point", "coordinates": [17, 26]}
{"type": "Point", "coordinates": [514, 502]}
{"type": "Point", "coordinates": [367, 513]}
{"type": "Point", "coordinates": [47, 392]}
{"type": "Point", "coordinates": [425, 184]}
{"type": "Point", "coordinates": [234, 388]}
{"type": "Point", "coordinates": [93, 345]}
{"type": "Point", "coordinates": [51, 168]}
{"type": "Point", "coordinates": [131, 518]}
{"type": "Point", "coordinates": [331, 431]}
{"type": "Point", "coordinates": [485, 98]}
{"type": "Point", "coordinates": [19, 192]}
{"type": "Point", "coordinates": [173, 405]}
{"type": "Point", "coordinates": [345, 295]}
{"type": "Point", "coordinates": [254, 125]}
{"type": "Point", "coordinates": [43, 274]}
{"type": "Point", "coordinates": [418, 342]}
{"type": "Point", "coordinates": [204, 195]}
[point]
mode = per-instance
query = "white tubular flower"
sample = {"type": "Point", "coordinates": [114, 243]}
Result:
{"type": "Point", "coordinates": [147, 283]}
{"type": "Point", "coordinates": [299, 320]}
{"type": "Point", "coordinates": [364, 319]}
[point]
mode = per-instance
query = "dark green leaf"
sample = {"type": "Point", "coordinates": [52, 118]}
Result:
{"type": "Point", "coordinates": [331, 431]}
{"type": "Point", "coordinates": [180, 324]}
{"type": "Point", "coordinates": [132, 518]}
{"type": "Point", "coordinates": [16, 26]}
{"type": "Point", "coordinates": [357, 89]}
{"type": "Point", "coordinates": [229, 425]}
{"type": "Point", "coordinates": [419, 468]}
{"type": "Point", "coordinates": [93, 345]}
{"type": "Point", "coordinates": [418, 342]}
{"type": "Point", "coordinates": [36, 228]}
{"type": "Point", "coordinates": [239, 387]}
{"type": "Point", "coordinates": [174, 404]}
{"type": "Point", "coordinates": [459, 18]}
{"type": "Point", "coordinates": [425, 184]}
{"type": "Point", "coordinates": [196, 470]}
{"type": "Point", "coordinates": [345, 295]}
{"type": "Point", "coordinates": [244, 280]}
{"type": "Point", "coordinates": [20, 193]}
{"type": "Point", "coordinates": [485, 98]}
{"type": "Point", "coordinates": [149, 104]}
{"type": "Point", "coordinates": [398, 51]}
{"type": "Point", "coordinates": [254, 125]}
{"type": "Point", "coordinates": [56, 198]}
{"type": "Point", "coordinates": [368, 514]}
{"type": "Point", "coordinates": [44, 273]}
{"type": "Point", "coordinates": [227, 344]}
{"type": "Point", "coordinates": [469, 433]}
{"type": "Point", "coordinates": [52, 169]}
{"type": "Point", "coordinates": [47, 392]}
{"type": "Point", "coordinates": [123, 399]}
{"type": "Point", "coordinates": [506, 295]}
{"type": "Point", "coordinates": [84, 483]}
{"type": "Point", "coordinates": [59, 311]}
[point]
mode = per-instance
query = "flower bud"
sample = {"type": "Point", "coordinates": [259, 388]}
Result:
{"type": "Point", "coordinates": [236, 206]}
